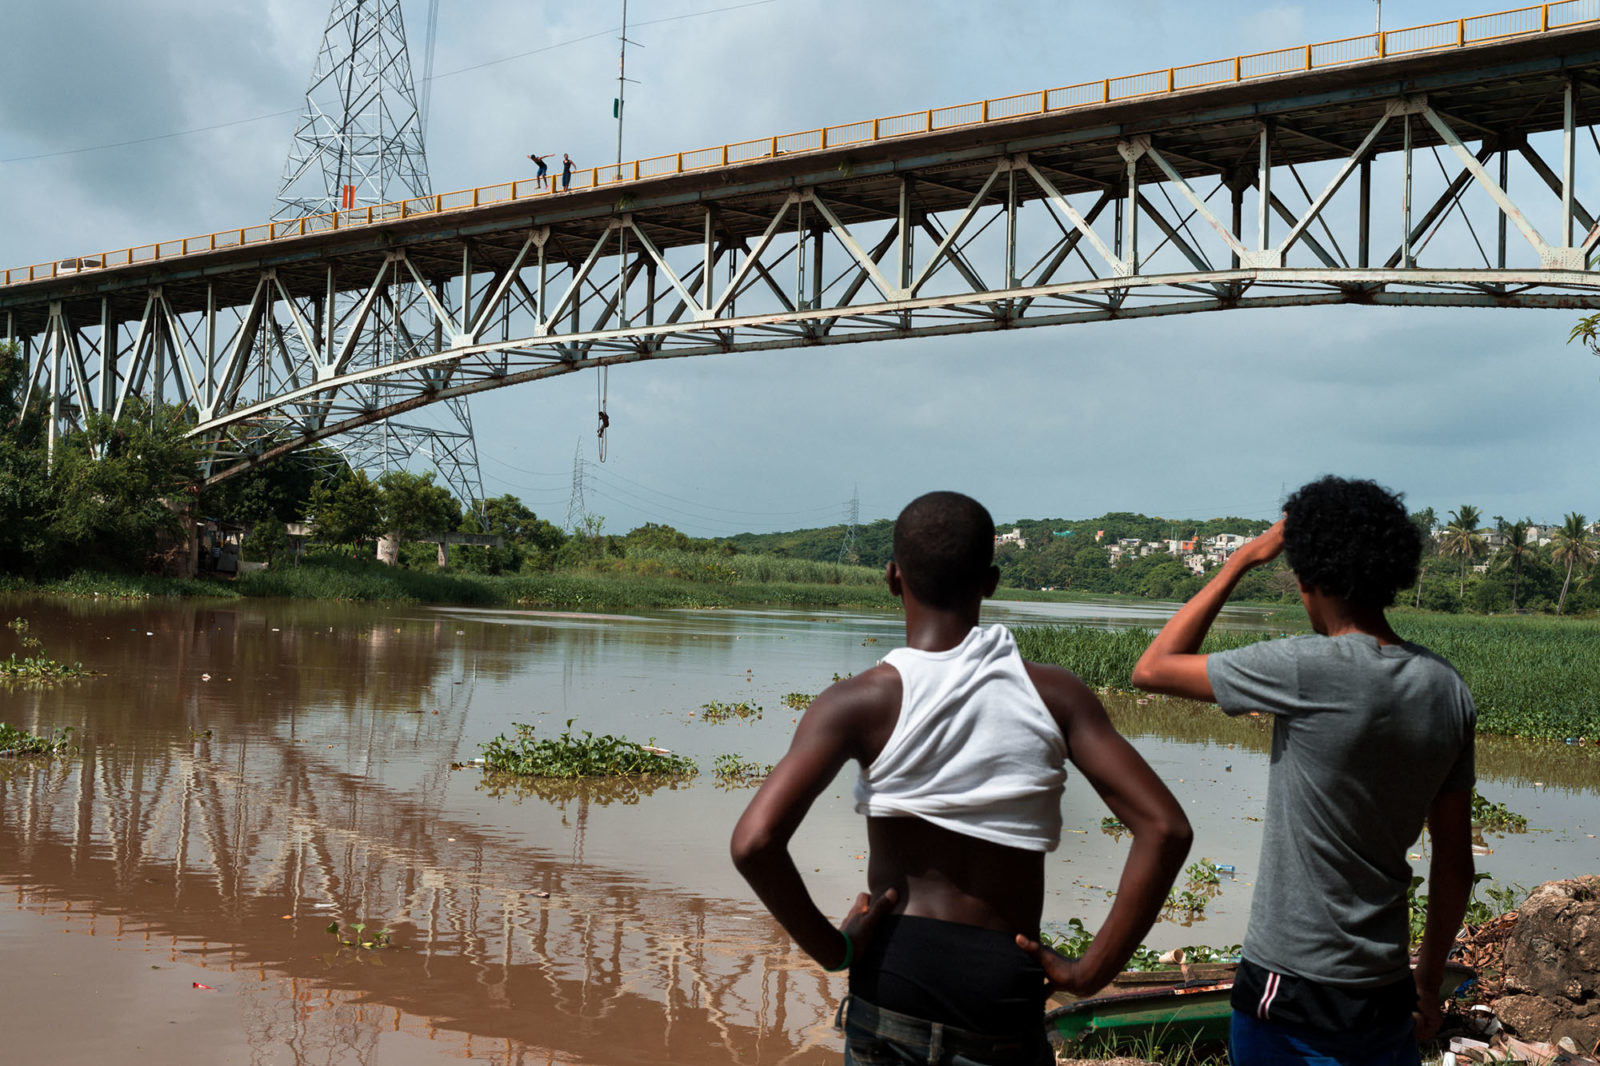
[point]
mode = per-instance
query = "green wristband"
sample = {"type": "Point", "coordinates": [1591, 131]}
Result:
{"type": "Point", "coordinates": [849, 954]}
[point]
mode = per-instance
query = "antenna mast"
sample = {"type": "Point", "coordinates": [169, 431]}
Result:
{"type": "Point", "coordinates": [622, 82]}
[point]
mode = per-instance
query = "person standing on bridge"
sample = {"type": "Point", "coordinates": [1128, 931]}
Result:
{"type": "Point", "coordinates": [566, 171]}
{"type": "Point", "coordinates": [962, 747]}
{"type": "Point", "coordinates": [539, 179]}
{"type": "Point", "coordinates": [1371, 735]}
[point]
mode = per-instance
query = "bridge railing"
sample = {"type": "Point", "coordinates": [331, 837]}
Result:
{"type": "Point", "coordinates": [1433, 37]}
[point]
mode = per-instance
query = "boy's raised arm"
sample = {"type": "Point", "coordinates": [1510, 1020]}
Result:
{"type": "Point", "coordinates": [1172, 664]}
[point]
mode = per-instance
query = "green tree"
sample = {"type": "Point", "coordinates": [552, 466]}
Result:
{"type": "Point", "coordinates": [268, 539]}
{"type": "Point", "coordinates": [1461, 539]}
{"type": "Point", "coordinates": [347, 510]}
{"type": "Point", "coordinates": [1162, 579]}
{"type": "Point", "coordinates": [651, 535]}
{"type": "Point", "coordinates": [1573, 547]}
{"type": "Point", "coordinates": [411, 505]}
{"type": "Point", "coordinates": [530, 541]}
{"type": "Point", "coordinates": [122, 490]}
{"type": "Point", "coordinates": [281, 488]}
{"type": "Point", "coordinates": [1426, 521]}
{"type": "Point", "coordinates": [1516, 551]}
{"type": "Point", "coordinates": [25, 494]}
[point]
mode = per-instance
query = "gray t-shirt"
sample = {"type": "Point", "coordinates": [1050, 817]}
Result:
{"type": "Point", "coordinates": [1364, 737]}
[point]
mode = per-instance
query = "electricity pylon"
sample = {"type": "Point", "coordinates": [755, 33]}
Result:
{"type": "Point", "coordinates": [852, 514]}
{"type": "Point", "coordinates": [359, 142]}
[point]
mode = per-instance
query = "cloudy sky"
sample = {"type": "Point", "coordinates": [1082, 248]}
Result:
{"type": "Point", "coordinates": [124, 123]}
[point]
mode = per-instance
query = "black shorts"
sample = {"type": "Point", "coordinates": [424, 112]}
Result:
{"type": "Point", "coordinates": [1298, 1001]}
{"type": "Point", "coordinates": [953, 974]}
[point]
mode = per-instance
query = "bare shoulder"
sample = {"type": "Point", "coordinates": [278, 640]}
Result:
{"type": "Point", "coordinates": [863, 708]}
{"type": "Point", "coordinates": [1065, 696]}
{"type": "Point", "coordinates": [874, 690]}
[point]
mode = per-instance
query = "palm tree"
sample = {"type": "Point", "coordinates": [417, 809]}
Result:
{"type": "Point", "coordinates": [1517, 548]}
{"type": "Point", "coordinates": [1425, 520]}
{"type": "Point", "coordinates": [1573, 546]}
{"type": "Point", "coordinates": [1461, 538]}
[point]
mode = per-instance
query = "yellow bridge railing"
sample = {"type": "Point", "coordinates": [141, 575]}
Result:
{"type": "Point", "coordinates": [1433, 37]}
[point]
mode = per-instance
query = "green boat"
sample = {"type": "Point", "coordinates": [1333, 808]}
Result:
{"type": "Point", "coordinates": [1153, 1005]}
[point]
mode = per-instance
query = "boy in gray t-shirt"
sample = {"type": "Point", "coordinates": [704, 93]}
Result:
{"type": "Point", "coordinates": [1372, 735]}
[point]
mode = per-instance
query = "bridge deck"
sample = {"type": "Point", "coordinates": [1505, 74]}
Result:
{"type": "Point", "coordinates": [1504, 89]}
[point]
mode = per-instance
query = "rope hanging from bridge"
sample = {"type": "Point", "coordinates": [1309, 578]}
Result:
{"type": "Point", "coordinates": [602, 386]}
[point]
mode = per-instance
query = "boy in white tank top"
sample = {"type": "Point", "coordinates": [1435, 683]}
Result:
{"type": "Point", "coordinates": [961, 745]}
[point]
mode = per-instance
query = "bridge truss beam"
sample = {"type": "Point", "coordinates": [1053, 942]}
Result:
{"type": "Point", "coordinates": [1460, 184]}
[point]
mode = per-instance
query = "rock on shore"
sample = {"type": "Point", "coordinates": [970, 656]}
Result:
{"type": "Point", "coordinates": [1551, 968]}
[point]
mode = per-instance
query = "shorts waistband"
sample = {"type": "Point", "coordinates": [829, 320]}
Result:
{"type": "Point", "coordinates": [868, 1019]}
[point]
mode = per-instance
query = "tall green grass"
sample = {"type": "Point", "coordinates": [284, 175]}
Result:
{"type": "Point", "coordinates": [643, 583]}
{"type": "Point", "coordinates": [715, 568]}
{"type": "Point", "coordinates": [1530, 676]}
{"type": "Point", "coordinates": [609, 589]}
{"type": "Point", "coordinates": [136, 586]}
{"type": "Point", "coordinates": [1104, 658]}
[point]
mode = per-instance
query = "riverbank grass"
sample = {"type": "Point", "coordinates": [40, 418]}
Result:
{"type": "Point", "coordinates": [1531, 677]}
{"type": "Point", "coordinates": [645, 584]}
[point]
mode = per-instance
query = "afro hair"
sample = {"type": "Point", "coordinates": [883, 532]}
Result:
{"type": "Point", "coordinates": [1351, 539]}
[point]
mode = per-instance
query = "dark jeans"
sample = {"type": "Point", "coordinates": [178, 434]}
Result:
{"type": "Point", "coordinates": [1258, 1043]}
{"type": "Point", "coordinates": [877, 1037]}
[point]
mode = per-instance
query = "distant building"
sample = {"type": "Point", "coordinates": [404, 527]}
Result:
{"type": "Point", "coordinates": [1014, 537]}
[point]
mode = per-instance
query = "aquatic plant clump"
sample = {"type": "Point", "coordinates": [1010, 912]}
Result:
{"type": "Point", "coordinates": [1496, 817]}
{"type": "Point", "coordinates": [569, 756]}
{"type": "Point", "coordinates": [716, 711]}
{"type": "Point", "coordinates": [38, 668]}
{"type": "Point", "coordinates": [734, 770]}
{"type": "Point", "coordinates": [19, 743]}
{"type": "Point", "coordinates": [1075, 939]}
{"type": "Point", "coordinates": [35, 665]}
{"type": "Point", "coordinates": [797, 701]}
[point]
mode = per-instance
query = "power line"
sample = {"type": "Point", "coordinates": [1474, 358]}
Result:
{"type": "Point", "coordinates": [447, 74]}
{"type": "Point", "coordinates": [520, 470]}
{"type": "Point", "coordinates": [612, 473]}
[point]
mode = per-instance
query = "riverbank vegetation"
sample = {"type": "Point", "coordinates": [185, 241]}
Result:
{"type": "Point", "coordinates": [1530, 677]}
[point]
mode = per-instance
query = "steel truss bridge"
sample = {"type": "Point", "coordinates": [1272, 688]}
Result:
{"type": "Point", "coordinates": [1444, 165]}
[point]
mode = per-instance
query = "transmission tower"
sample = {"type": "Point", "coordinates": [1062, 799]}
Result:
{"type": "Point", "coordinates": [852, 517]}
{"type": "Point", "coordinates": [576, 508]}
{"type": "Point", "coordinates": [359, 142]}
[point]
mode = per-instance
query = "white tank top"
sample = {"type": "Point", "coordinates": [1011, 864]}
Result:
{"type": "Point", "coordinates": [974, 750]}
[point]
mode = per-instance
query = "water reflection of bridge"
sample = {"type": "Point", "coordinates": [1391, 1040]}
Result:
{"type": "Point", "coordinates": [212, 842]}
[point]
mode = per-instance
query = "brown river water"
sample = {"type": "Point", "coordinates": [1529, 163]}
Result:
{"type": "Point", "coordinates": [251, 774]}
